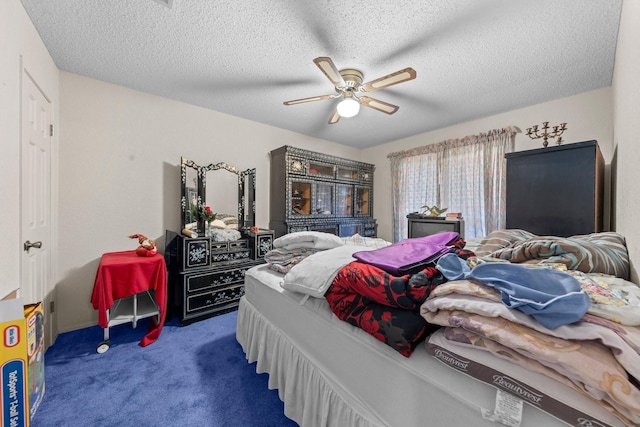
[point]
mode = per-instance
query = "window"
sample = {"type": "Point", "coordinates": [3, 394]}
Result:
{"type": "Point", "coordinates": [464, 175]}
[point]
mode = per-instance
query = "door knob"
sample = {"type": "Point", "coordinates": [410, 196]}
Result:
{"type": "Point", "coordinates": [28, 245]}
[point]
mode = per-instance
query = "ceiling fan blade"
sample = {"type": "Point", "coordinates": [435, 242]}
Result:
{"type": "Point", "coordinates": [311, 98]}
{"type": "Point", "coordinates": [376, 104]}
{"type": "Point", "coordinates": [330, 70]}
{"type": "Point", "coordinates": [334, 117]}
{"type": "Point", "coordinates": [389, 80]}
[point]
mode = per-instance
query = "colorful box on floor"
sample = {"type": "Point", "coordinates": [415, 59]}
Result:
{"type": "Point", "coordinates": [34, 315]}
{"type": "Point", "coordinates": [21, 361]}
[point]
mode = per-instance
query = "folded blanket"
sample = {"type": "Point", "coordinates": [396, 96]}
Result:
{"type": "Point", "coordinates": [597, 360]}
{"type": "Point", "coordinates": [410, 255]}
{"type": "Point", "coordinates": [383, 305]}
{"type": "Point", "coordinates": [476, 298]}
{"type": "Point", "coordinates": [282, 260]}
{"type": "Point", "coordinates": [611, 297]}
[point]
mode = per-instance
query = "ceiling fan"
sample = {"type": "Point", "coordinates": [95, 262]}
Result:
{"type": "Point", "coordinates": [348, 85]}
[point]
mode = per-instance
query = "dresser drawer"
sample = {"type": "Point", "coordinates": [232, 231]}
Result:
{"type": "Point", "coordinates": [203, 281]}
{"type": "Point", "coordinates": [238, 244]}
{"type": "Point", "coordinates": [219, 246]}
{"type": "Point", "coordinates": [218, 298]}
{"type": "Point", "coordinates": [229, 246]}
{"type": "Point", "coordinates": [217, 257]}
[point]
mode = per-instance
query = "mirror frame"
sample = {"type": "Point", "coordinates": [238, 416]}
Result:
{"type": "Point", "coordinates": [246, 192]}
{"type": "Point", "coordinates": [247, 198]}
{"type": "Point", "coordinates": [185, 203]}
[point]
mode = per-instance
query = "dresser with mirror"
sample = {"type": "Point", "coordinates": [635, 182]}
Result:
{"type": "Point", "coordinates": [210, 256]}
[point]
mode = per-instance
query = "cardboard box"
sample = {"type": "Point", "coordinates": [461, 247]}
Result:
{"type": "Point", "coordinates": [34, 315]}
{"type": "Point", "coordinates": [21, 361]}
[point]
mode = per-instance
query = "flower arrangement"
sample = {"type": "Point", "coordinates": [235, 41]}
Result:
{"type": "Point", "coordinates": [203, 212]}
{"type": "Point", "coordinates": [208, 215]}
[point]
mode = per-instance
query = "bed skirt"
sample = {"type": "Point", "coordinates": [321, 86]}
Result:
{"type": "Point", "coordinates": [330, 373]}
{"type": "Point", "coordinates": [309, 397]}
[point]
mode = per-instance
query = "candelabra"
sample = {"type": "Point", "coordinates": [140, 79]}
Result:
{"type": "Point", "coordinates": [532, 132]}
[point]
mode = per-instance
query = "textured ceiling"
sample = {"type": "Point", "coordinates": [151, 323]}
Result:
{"type": "Point", "coordinates": [473, 58]}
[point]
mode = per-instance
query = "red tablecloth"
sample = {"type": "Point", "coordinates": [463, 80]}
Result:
{"type": "Point", "coordinates": [124, 273]}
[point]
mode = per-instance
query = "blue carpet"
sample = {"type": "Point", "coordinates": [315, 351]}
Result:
{"type": "Point", "coordinates": [195, 375]}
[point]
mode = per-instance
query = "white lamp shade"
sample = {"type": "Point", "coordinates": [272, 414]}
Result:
{"type": "Point", "coordinates": [348, 107]}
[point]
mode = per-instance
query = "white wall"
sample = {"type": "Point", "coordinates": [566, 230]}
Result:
{"type": "Point", "coordinates": [21, 47]}
{"type": "Point", "coordinates": [588, 116]}
{"type": "Point", "coordinates": [626, 105]}
{"type": "Point", "coordinates": [119, 173]}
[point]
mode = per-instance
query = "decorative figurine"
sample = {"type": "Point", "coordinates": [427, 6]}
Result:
{"type": "Point", "coordinates": [147, 246]}
{"type": "Point", "coordinates": [433, 210]}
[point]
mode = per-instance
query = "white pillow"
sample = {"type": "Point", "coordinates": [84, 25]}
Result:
{"type": "Point", "coordinates": [372, 242]}
{"type": "Point", "coordinates": [308, 239]}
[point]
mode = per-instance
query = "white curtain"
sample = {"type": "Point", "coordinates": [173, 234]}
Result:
{"type": "Point", "coordinates": [466, 175]}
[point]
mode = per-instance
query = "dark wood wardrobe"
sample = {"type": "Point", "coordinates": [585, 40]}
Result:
{"type": "Point", "coordinates": [556, 191]}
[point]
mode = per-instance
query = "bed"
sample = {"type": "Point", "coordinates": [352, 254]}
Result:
{"type": "Point", "coordinates": [331, 373]}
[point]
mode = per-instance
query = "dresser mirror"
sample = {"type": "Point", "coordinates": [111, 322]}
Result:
{"type": "Point", "coordinates": [218, 181]}
{"type": "Point", "coordinates": [212, 186]}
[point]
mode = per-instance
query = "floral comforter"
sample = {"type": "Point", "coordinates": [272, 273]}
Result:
{"type": "Point", "coordinates": [597, 357]}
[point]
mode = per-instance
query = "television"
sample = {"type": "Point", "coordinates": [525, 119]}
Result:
{"type": "Point", "coordinates": [420, 227]}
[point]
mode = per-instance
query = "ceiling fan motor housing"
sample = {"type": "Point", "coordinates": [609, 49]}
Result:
{"type": "Point", "coordinates": [353, 78]}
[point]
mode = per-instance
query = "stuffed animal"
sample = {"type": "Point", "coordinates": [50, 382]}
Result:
{"type": "Point", "coordinates": [147, 246]}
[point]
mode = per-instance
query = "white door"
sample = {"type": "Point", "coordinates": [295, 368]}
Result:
{"type": "Point", "coordinates": [35, 282]}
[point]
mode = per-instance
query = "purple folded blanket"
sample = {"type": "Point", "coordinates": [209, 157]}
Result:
{"type": "Point", "coordinates": [410, 255]}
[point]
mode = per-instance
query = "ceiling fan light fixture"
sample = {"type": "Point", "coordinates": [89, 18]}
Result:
{"type": "Point", "coordinates": [348, 85]}
{"type": "Point", "coordinates": [348, 107]}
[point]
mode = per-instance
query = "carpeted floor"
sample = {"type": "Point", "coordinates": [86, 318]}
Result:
{"type": "Point", "coordinates": [195, 375]}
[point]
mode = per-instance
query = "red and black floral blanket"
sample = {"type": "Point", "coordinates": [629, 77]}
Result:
{"type": "Point", "coordinates": [384, 305]}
